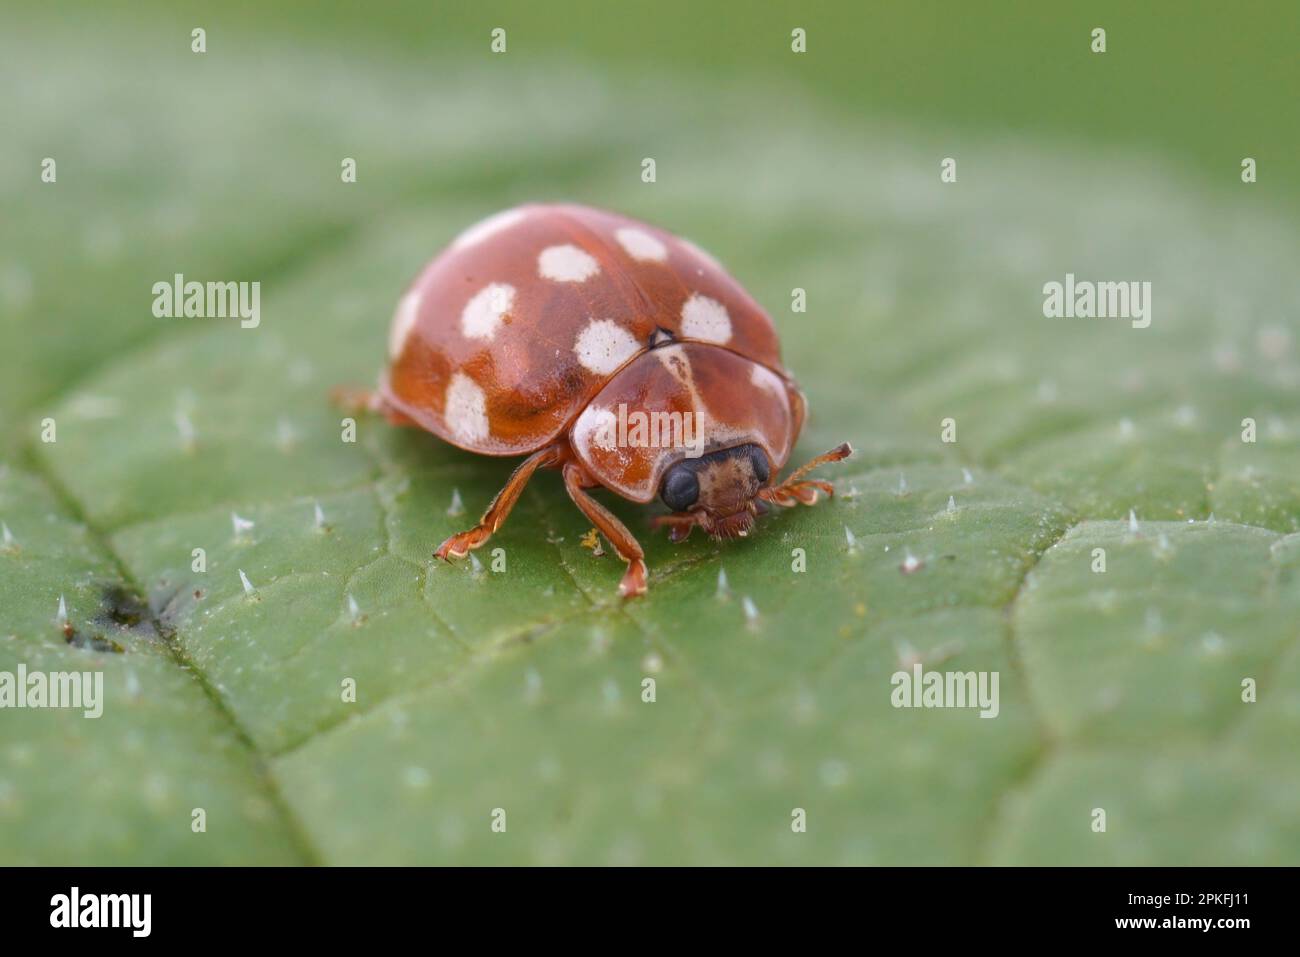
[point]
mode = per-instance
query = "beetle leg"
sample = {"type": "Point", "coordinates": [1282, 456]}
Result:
{"type": "Point", "coordinates": [787, 494]}
{"type": "Point", "coordinates": [354, 399]}
{"type": "Point", "coordinates": [462, 543]}
{"type": "Point", "coordinates": [793, 490]}
{"type": "Point", "coordinates": [625, 545]}
{"type": "Point", "coordinates": [679, 526]}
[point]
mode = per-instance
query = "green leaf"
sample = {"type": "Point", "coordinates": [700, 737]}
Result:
{"type": "Point", "coordinates": [523, 690]}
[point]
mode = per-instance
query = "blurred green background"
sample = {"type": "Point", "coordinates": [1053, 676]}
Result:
{"type": "Point", "coordinates": [1120, 690]}
{"type": "Point", "coordinates": [1199, 84]}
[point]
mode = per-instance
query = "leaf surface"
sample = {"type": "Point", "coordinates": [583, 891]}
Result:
{"type": "Point", "coordinates": [522, 690]}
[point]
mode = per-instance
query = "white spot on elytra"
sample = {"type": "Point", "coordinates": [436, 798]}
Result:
{"type": "Point", "coordinates": [641, 245]}
{"type": "Point", "coordinates": [603, 345]}
{"type": "Point", "coordinates": [488, 227]}
{"type": "Point", "coordinates": [705, 319]}
{"type": "Point", "coordinates": [765, 378]}
{"type": "Point", "coordinates": [597, 426]}
{"type": "Point", "coordinates": [62, 615]}
{"type": "Point", "coordinates": [403, 322]}
{"type": "Point", "coordinates": [466, 409]}
{"type": "Point", "coordinates": [482, 315]}
{"type": "Point", "coordinates": [248, 586]}
{"type": "Point", "coordinates": [566, 263]}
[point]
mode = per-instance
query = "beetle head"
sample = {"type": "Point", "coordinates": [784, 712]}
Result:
{"type": "Point", "coordinates": [717, 491]}
{"type": "Point", "coordinates": [724, 491]}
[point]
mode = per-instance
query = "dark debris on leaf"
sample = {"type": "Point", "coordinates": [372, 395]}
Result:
{"type": "Point", "coordinates": [123, 612]}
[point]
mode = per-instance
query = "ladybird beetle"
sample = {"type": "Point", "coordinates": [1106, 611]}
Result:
{"type": "Point", "coordinates": [545, 330]}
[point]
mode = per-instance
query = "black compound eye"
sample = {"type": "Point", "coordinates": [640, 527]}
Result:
{"type": "Point", "coordinates": [680, 489]}
{"type": "Point", "coordinates": [761, 470]}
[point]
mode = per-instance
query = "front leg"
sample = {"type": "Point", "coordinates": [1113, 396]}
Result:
{"type": "Point", "coordinates": [679, 526]}
{"type": "Point", "coordinates": [796, 488]}
{"type": "Point", "coordinates": [788, 493]}
{"type": "Point", "coordinates": [462, 543]}
{"type": "Point", "coordinates": [576, 480]}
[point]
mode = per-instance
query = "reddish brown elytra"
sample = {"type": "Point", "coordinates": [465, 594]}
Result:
{"type": "Point", "coordinates": [611, 350]}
